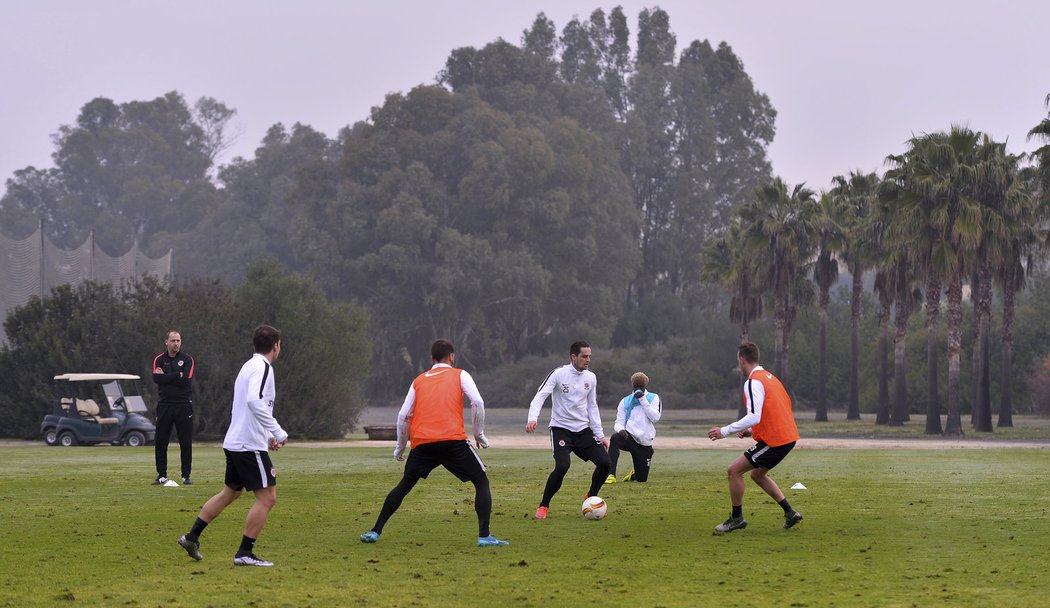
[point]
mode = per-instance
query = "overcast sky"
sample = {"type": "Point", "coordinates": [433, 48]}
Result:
{"type": "Point", "coordinates": [851, 81]}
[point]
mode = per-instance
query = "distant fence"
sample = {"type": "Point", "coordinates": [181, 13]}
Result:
{"type": "Point", "coordinates": [34, 265]}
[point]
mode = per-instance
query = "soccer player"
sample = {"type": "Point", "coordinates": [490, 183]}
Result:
{"type": "Point", "coordinates": [432, 419]}
{"type": "Point", "coordinates": [772, 424]}
{"type": "Point", "coordinates": [575, 426]}
{"type": "Point", "coordinates": [253, 431]}
{"type": "Point", "coordinates": [634, 429]}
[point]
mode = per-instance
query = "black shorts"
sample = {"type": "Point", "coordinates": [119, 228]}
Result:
{"type": "Point", "coordinates": [249, 470]}
{"type": "Point", "coordinates": [761, 456]}
{"type": "Point", "coordinates": [582, 443]}
{"type": "Point", "coordinates": [457, 455]}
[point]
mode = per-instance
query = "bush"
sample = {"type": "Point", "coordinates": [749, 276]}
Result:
{"type": "Point", "coordinates": [106, 328]}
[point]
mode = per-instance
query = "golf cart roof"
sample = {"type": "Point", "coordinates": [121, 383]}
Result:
{"type": "Point", "coordinates": [81, 377]}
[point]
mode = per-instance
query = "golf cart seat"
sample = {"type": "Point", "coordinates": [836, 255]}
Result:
{"type": "Point", "coordinates": [89, 410]}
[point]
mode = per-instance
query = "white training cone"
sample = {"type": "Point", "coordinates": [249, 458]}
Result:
{"type": "Point", "coordinates": [798, 486]}
{"type": "Point", "coordinates": [171, 484]}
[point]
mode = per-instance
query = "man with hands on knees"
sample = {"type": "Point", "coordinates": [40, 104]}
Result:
{"type": "Point", "coordinates": [431, 418]}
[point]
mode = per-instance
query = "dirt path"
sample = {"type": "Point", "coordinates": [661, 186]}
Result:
{"type": "Point", "coordinates": [540, 441]}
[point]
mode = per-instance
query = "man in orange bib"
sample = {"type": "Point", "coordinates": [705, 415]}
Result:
{"type": "Point", "coordinates": [432, 418]}
{"type": "Point", "coordinates": [772, 424]}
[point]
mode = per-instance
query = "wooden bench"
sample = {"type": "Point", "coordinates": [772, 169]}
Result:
{"type": "Point", "coordinates": [382, 431]}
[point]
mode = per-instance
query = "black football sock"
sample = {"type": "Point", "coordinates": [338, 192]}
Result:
{"type": "Point", "coordinates": [738, 511]}
{"type": "Point", "coordinates": [784, 504]}
{"type": "Point", "coordinates": [247, 545]}
{"type": "Point", "coordinates": [197, 529]}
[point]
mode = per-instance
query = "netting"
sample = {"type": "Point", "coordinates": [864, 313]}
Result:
{"type": "Point", "coordinates": [34, 265]}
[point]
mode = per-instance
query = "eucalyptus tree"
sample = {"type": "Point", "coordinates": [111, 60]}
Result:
{"type": "Point", "coordinates": [125, 171]}
{"type": "Point", "coordinates": [782, 229]}
{"type": "Point", "coordinates": [825, 272]}
{"type": "Point", "coordinates": [693, 144]}
{"type": "Point", "coordinates": [853, 199]}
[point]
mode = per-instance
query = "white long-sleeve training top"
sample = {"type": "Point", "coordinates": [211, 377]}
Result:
{"type": "Point", "coordinates": [755, 393]}
{"type": "Point", "coordinates": [640, 424]}
{"type": "Point", "coordinates": [574, 400]}
{"type": "Point", "coordinates": [252, 422]}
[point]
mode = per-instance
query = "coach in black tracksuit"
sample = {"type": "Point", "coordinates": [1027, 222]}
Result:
{"type": "Point", "coordinates": [173, 373]}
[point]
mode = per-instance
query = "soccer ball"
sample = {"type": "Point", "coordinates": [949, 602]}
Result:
{"type": "Point", "coordinates": [594, 508]}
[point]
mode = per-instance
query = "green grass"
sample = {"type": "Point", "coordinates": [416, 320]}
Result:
{"type": "Point", "coordinates": [83, 527]}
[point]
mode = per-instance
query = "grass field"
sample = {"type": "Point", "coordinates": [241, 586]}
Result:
{"type": "Point", "coordinates": [83, 527]}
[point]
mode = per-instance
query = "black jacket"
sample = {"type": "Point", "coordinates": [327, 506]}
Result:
{"type": "Point", "coordinates": [175, 384]}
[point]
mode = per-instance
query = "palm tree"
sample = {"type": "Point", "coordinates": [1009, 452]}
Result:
{"type": "Point", "coordinates": [883, 288]}
{"type": "Point", "coordinates": [781, 226]}
{"type": "Point", "coordinates": [914, 230]}
{"type": "Point", "coordinates": [825, 273]}
{"type": "Point", "coordinates": [897, 285]}
{"type": "Point", "coordinates": [1025, 220]}
{"type": "Point", "coordinates": [999, 193]}
{"type": "Point", "coordinates": [726, 263]}
{"type": "Point", "coordinates": [1042, 154]}
{"type": "Point", "coordinates": [854, 198]}
{"type": "Point", "coordinates": [935, 183]}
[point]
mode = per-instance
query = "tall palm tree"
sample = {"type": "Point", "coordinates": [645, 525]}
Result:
{"type": "Point", "coordinates": [726, 263]}
{"type": "Point", "coordinates": [854, 198]}
{"type": "Point", "coordinates": [999, 192]}
{"type": "Point", "coordinates": [938, 172]}
{"type": "Point", "coordinates": [1025, 216]}
{"type": "Point", "coordinates": [825, 273]}
{"type": "Point", "coordinates": [883, 288]}
{"type": "Point", "coordinates": [898, 284]}
{"type": "Point", "coordinates": [781, 226]}
{"type": "Point", "coordinates": [913, 231]}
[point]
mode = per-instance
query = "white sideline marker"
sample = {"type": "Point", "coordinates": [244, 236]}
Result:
{"type": "Point", "coordinates": [798, 486]}
{"type": "Point", "coordinates": [171, 484]}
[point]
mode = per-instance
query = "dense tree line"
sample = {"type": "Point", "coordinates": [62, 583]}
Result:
{"type": "Point", "coordinates": [590, 183]}
{"type": "Point", "coordinates": [105, 328]}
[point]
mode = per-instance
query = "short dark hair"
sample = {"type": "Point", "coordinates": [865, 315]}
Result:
{"type": "Point", "coordinates": [441, 349]}
{"type": "Point", "coordinates": [264, 338]}
{"type": "Point", "coordinates": [748, 351]}
{"type": "Point", "coordinates": [577, 347]}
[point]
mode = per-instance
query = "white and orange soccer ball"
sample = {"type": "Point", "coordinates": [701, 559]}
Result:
{"type": "Point", "coordinates": [594, 508]}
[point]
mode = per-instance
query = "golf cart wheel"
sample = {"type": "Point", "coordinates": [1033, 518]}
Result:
{"type": "Point", "coordinates": [51, 437]}
{"type": "Point", "coordinates": [67, 439]}
{"type": "Point", "coordinates": [135, 439]}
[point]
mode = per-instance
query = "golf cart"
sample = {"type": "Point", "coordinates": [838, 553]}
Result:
{"type": "Point", "coordinates": [77, 419]}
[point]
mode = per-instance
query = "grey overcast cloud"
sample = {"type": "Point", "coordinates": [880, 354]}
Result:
{"type": "Point", "coordinates": [851, 81]}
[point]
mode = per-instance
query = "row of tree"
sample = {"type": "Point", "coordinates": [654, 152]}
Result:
{"type": "Point", "coordinates": [572, 186]}
{"type": "Point", "coordinates": [954, 211]}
